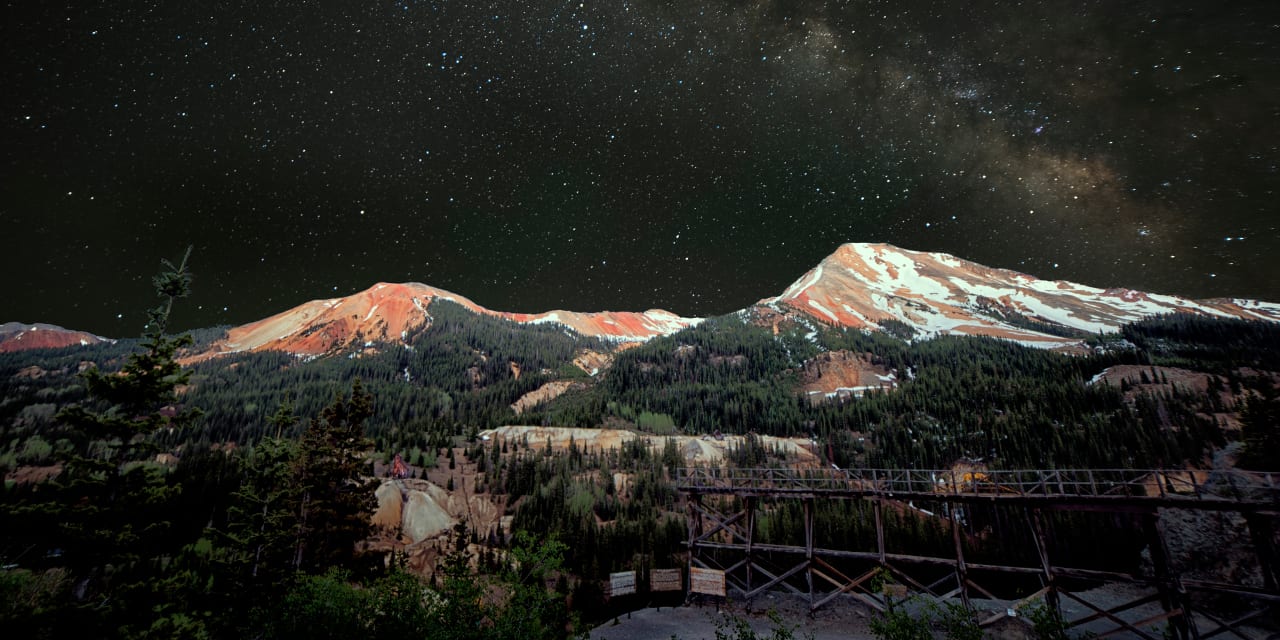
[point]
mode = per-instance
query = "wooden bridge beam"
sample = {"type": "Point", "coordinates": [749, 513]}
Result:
{"type": "Point", "coordinates": [808, 546]}
{"type": "Point", "coordinates": [751, 533]}
{"type": "Point", "coordinates": [962, 570]}
{"type": "Point", "coordinates": [710, 532]}
{"type": "Point", "coordinates": [1040, 534]}
{"type": "Point", "coordinates": [1263, 534]}
{"type": "Point", "coordinates": [1173, 596]}
{"type": "Point", "coordinates": [877, 506]}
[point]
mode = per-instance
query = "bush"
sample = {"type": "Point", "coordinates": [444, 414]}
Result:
{"type": "Point", "coordinates": [958, 623]}
{"type": "Point", "coordinates": [731, 627]}
{"type": "Point", "coordinates": [896, 623]}
{"type": "Point", "coordinates": [324, 606]}
{"type": "Point", "coordinates": [1048, 622]}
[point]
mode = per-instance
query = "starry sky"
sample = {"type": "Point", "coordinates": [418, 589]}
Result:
{"type": "Point", "coordinates": [692, 155]}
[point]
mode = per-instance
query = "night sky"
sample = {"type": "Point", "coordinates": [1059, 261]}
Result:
{"type": "Point", "coordinates": [689, 155]}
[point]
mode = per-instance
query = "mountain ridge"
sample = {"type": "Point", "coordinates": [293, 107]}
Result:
{"type": "Point", "coordinates": [860, 285]}
{"type": "Point", "coordinates": [18, 336]}
{"type": "Point", "coordinates": [387, 312]}
{"type": "Point", "coordinates": [863, 285]}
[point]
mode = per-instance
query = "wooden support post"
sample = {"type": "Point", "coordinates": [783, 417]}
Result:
{"type": "Point", "coordinates": [695, 531]}
{"type": "Point", "coordinates": [1173, 597]}
{"type": "Point", "coordinates": [751, 534]}
{"type": "Point", "coordinates": [808, 546]}
{"type": "Point", "coordinates": [1263, 534]}
{"type": "Point", "coordinates": [877, 507]}
{"type": "Point", "coordinates": [962, 570]}
{"type": "Point", "coordinates": [714, 536]}
{"type": "Point", "coordinates": [1040, 534]}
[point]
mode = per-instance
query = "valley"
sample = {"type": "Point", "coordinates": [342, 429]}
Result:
{"type": "Point", "coordinates": [406, 434]}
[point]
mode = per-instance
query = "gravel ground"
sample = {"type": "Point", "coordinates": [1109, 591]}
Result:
{"type": "Point", "coordinates": [850, 620]}
{"type": "Point", "coordinates": [698, 622]}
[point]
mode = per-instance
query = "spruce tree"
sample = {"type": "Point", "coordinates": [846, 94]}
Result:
{"type": "Point", "coordinates": [337, 498]}
{"type": "Point", "coordinates": [257, 545]}
{"type": "Point", "coordinates": [115, 504]}
{"type": "Point", "coordinates": [1261, 432]}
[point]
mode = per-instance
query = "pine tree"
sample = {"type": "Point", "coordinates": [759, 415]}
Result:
{"type": "Point", "coordinates": [258, 543]}
{"type": "Point", "coordinates": [1261, 432]}
{"type": "Point", "coordinates": [115, 503]}
{"type": "Point", "coordinates": [336, 498]}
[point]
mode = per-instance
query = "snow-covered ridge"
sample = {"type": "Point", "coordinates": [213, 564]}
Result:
{"type": "Point", "coordinates": [861, 285]}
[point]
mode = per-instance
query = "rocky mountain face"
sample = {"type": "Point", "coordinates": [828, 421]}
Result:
{"type": "Point", "coordinates": [878, 285]}
{"type": "Point", "coordinates": [16, 336]}
{"type": "Point", "coordinates": [390, 312]}
{"type": "Point", "coordinates": [871, 286]}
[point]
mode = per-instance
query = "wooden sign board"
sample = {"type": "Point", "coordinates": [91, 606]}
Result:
{"type": "Point", "coordinates": [666, 580]}
{"type": "Point", "coordinates": [708, 581]}
{"type": "Point", "coordinates": [622, 583]}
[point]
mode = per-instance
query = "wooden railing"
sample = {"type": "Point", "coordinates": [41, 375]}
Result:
{"type": "Point", "coordinates": [1233, 487]}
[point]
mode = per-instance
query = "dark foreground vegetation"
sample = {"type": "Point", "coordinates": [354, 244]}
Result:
{"type": "Point", "coordinates": [232, 498]}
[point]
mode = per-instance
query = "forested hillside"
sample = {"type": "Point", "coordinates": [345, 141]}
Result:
{"type": "Point", "coordinates": [958, 397]}
{"type": "Point", "coordinates": [143, 498]}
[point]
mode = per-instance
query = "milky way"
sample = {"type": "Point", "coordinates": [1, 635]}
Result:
{"type": "Point", "coordinates": [694, 156]}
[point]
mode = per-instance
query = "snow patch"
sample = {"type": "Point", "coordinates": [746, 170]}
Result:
{"type": "Point", "coordinates": [806, 281]}
{"type": "Point", "coordinates": [823, 310]}
{"type": "Point", "coordinates": [850, 310]}
{"type": "Point", "coordinates": [948, 260]}
{"type": "Point", "coordinates": [550, 317]}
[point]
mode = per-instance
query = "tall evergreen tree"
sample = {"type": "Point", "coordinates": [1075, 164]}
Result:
{"type": "Point", "coordinates": [1261, 432]}
{"type": "Point", "coordinates": [114, 511]}
{"type": "Point", "coordinates": [256, 555]}
{"type": "Point", "coordinates": [336, 500]}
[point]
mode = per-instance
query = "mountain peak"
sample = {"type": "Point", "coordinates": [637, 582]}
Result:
{"type": "Point", "coordinates": [17, 336]}
{"type": "Point", "coordinates": [863, 285]}
{"type": "Point", "coordinates": [389, 312]}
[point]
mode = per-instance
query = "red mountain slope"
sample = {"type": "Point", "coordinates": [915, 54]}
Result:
{"type": "Point", "coordinates": [388, 312]}
{"type": "Point", "coordinates": [16, 336]}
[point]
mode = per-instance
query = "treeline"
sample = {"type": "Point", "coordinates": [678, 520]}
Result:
{"type": "Point", "coordinates": [957, 397]}
{"type": "Point", "coordinates": [1204, 343]}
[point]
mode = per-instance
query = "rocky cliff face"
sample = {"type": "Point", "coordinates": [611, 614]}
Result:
{"type": "Point", "coordinates": [865, 285]}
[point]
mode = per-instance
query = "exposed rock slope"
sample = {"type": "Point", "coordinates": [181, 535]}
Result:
{"type": "Point", "coordinates": [390, 312]}
{"type": "Point", "coordinates": [864, 285]}
{"type": "Point", "coordinates": [16, 336]}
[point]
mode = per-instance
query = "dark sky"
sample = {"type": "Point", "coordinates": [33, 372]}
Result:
{"type": "Point", "coordinates": [690, 155]}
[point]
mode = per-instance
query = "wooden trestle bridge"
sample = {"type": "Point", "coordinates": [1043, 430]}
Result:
{"type": "Point", "coordinates": [723, 505]}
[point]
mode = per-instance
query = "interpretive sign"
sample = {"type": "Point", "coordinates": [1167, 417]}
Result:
{"type": "Point", "coordinates": [665, 580]}
{"type": "Point", "coordinates": [622, 583]}
{"type": "Point", "coordinates": [708, 581]}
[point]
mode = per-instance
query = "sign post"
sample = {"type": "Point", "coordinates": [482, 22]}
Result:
{"type": "Point", "coordinates": [708, 581]}
{"type": "Point", "coordinates": [622, 583]}
{"type": "Point", "coordinates": [666, 580]}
